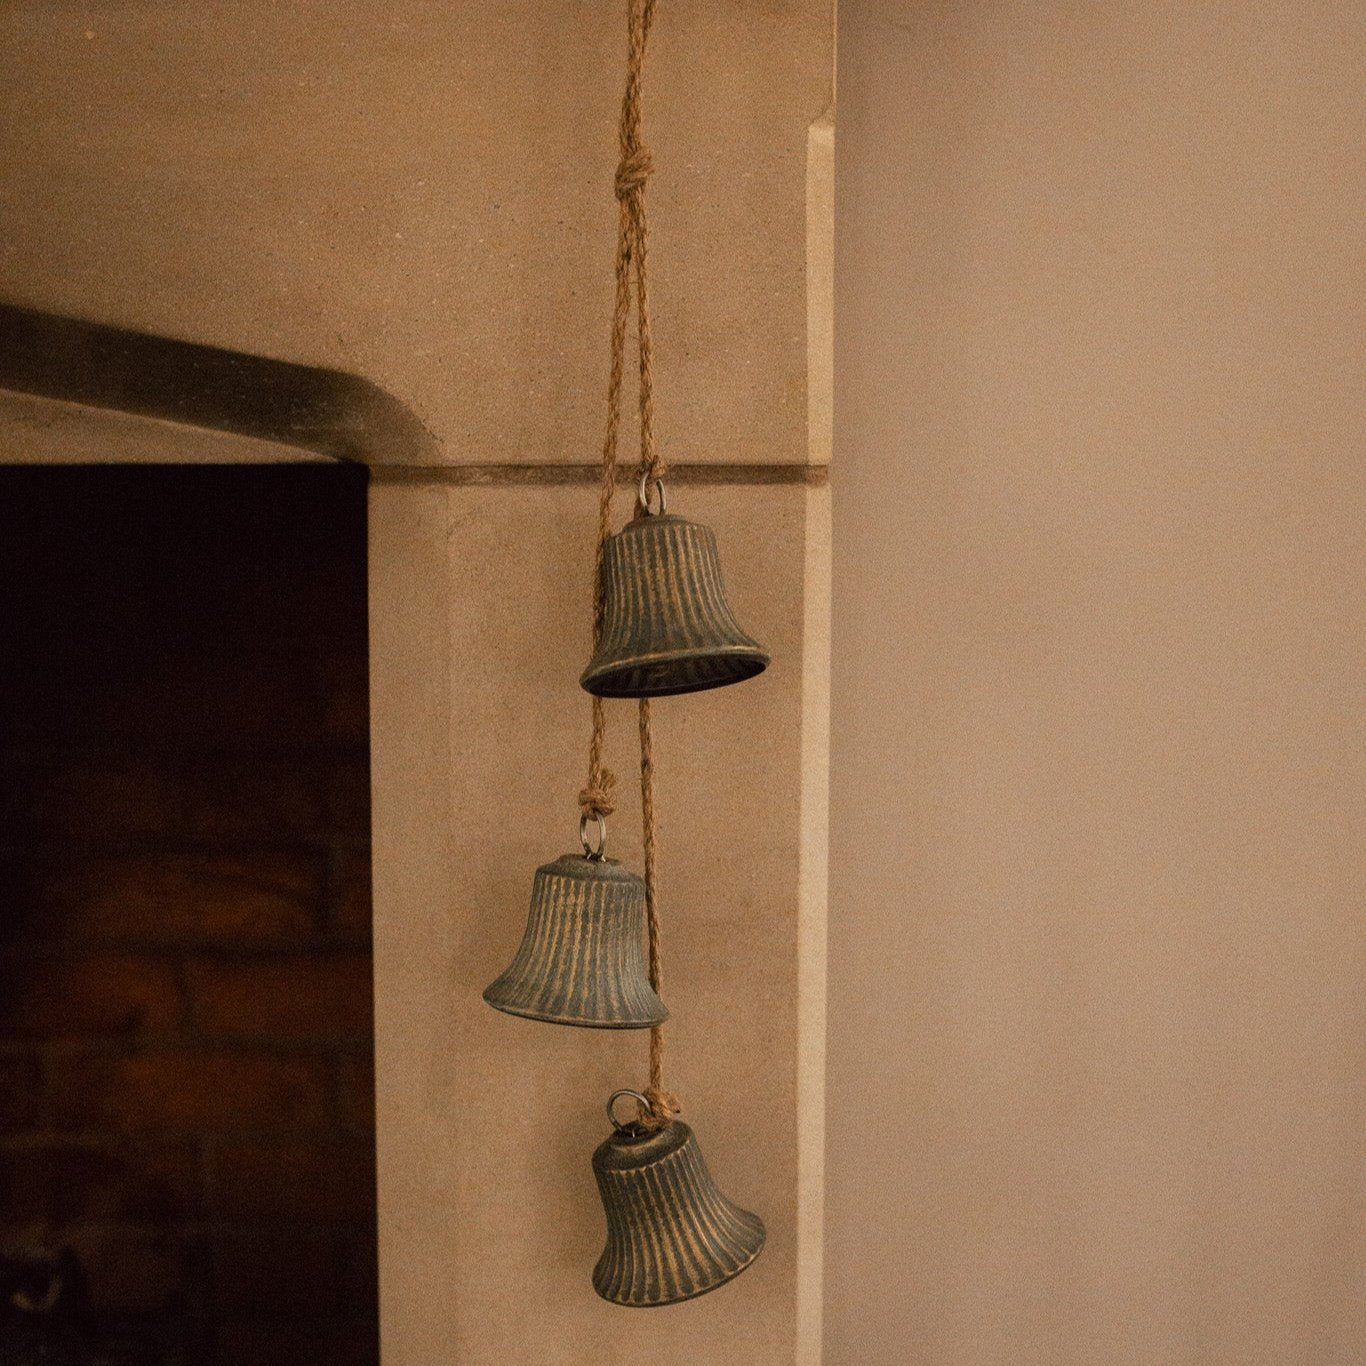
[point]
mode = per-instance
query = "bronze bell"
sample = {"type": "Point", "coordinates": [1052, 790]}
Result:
{"type": "Point", "coordinates": [671, 1234]}
{"type": "Point", "coordinates": [580, 962]}
{"type": "Point", "coordinates": [667, 626]}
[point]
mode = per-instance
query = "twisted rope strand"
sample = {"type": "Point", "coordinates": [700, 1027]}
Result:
{"type": "Point", "coordinates": [632, 174]}
{"type": "Point", "coordinates": [634, 168]}
{"type": "Point", "coordinates": [663, 1104]}
{"type": "Point", "coordinates": [596, 797]}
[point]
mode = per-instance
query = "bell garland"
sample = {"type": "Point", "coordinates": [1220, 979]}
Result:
{"type": "Point", "coordinates": [662, 626]}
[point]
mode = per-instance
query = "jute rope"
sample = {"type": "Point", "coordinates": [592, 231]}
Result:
{"type": "Point", "coordinates": [633, 171]}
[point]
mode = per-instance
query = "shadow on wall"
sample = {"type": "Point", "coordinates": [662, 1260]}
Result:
{"type": "Point", "coordinates": [328, 412]}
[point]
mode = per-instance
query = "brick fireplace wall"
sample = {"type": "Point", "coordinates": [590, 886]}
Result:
{"type": "Point", "coordinates": [186, 1071]}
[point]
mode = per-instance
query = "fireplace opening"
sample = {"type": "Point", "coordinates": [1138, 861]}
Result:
{"type": "Point", "coordinates": [186, 1041]}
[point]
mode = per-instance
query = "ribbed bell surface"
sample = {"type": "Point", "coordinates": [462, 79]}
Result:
{"type": "Point", "coordinates": [671, 1234]}
{"type": "Point", "coordinates": [581, 962]}
{"type": "Point", "coordinates": [667, 626]}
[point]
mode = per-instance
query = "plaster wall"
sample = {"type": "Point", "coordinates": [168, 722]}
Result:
{"type": "Point", "coordinates": [1097, 1044]}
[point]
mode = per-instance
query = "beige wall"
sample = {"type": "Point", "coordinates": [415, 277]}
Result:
{"type": "Point", "coordinates": [1097, 939]}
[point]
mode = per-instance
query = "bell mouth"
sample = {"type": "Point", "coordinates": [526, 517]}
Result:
{"type": "Point", "coordinates": [689, 1295]}
{"type": "Point", "coordinates": [512, 1007]}
{"type": "Point", "coordinates": [668, 675]}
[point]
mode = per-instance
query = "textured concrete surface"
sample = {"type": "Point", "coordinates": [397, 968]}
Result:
{"type": "Point", "coordinates": [489, 1216]}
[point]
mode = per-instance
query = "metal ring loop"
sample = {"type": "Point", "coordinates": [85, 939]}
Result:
{"type": "Point", "coordinates": [643, 495]}
{"type": "Point", "coordinates": [593, 855]}
{"type": "Point", "coordinates": [633, 1126]}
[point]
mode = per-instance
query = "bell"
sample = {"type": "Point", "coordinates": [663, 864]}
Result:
{"type": "Point", "coordinates": [667, 627]}
{"type": "Point", "coordinates": [671, 1234]}
{"type": "Point", "coordinates": [580, 962]}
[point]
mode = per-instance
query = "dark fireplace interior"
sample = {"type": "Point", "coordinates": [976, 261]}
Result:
{"type": "Point", "coordinates": [186, 1042]}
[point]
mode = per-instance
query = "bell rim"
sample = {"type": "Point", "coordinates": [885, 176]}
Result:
{"type": "Point", "coordinates": [694, 1294]}
{"type": "Point", "coordinates": [591, 680]}
{"type": "Point", "coordinates": [573, 1022]}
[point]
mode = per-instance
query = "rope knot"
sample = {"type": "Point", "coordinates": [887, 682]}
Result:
{"type": "Point", "coordinates": [664, 1105]}
{"type": "Point", "coordinates": [634, 169]}
{"type": "Point", "coordinates": [596, 798]}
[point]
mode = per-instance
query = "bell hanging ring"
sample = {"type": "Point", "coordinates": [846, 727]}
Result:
{"type": "Point", "coordinates": [671, 1234]}
{"type": "Point", "coordinates": [580, 962]}
{"type": "Point", "coordinates": [667, 626]}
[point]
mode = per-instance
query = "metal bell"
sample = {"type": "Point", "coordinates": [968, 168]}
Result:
{"type": "Point", "coordinates": [667, 626]}
{"type": "Point", "coordinates": [580, 962]}
{"type": "Point", "coordinates": [671, 1234]}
